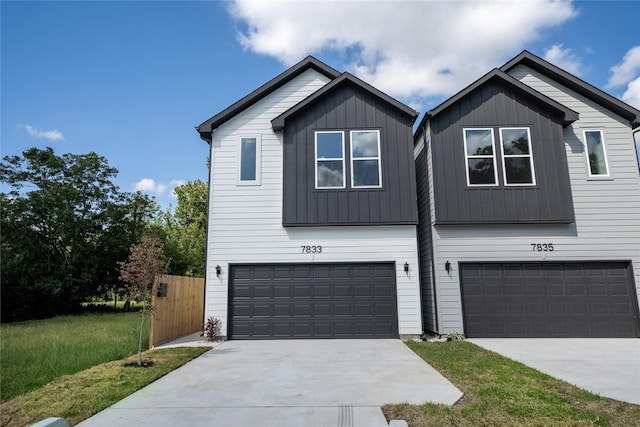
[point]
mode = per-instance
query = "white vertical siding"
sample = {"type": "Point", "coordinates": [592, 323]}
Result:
{"type": "Point", "coordinates": [245, 222]}
{"type": "Point", "coordinates": [607, 211]}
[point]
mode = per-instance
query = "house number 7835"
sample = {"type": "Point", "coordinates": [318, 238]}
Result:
{"type": "Point", "coordinates": [542, 247]}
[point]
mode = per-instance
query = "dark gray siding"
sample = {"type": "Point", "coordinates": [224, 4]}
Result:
{"type": "Point", "coordinates": [348, 108]}
{"type": "Point", "coordinates": [496, 105]}
{"type": "Point", "coordinates": [427, 293]}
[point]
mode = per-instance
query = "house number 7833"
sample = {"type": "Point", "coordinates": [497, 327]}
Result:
{"type": "Point", "coordinates": [315, 249]}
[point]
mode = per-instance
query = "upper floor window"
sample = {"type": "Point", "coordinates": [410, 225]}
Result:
{"type": "Point", "coordinates": [365, 159]}
{"type": "Point", "coordinates": [516, 156]}
{"type": "Point", "coordinates": [249, 160]}
{"type": "Point", "coordinates": [596, 153]}
{"type": "Point", "coordinates": [329, 146]}
{"type": "Point", "coordinates": [480, 157]}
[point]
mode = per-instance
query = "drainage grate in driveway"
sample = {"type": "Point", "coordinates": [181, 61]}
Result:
{"type": "Point", "coordinates": [345, 416]}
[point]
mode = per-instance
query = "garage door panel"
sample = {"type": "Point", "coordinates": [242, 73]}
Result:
{"type": "Point", "coordinates": [555, 289]}
{"type": "Point", "coordinates": [362, 290]}
{"type": "Point", "coordinates": [343, 309]}
{"type": "Point", "coordinates": [342, 291]}
{"type": "Point", "coordinates": [281, 310]}
{"type": "Point", "coordinates": [570, 299]}
{"type": "Point", "coordinates": [513, 289]}
{"type": "Point", "coordinates": [302, 291]}
{"type": "Point", "coordinates": [362, 272]}
{"type": "Point", "coordinates": [313, 301]}
{"type": "Point", "coordinates": [619, 289]}
{"type": "Point", "coordinates": [302, 273]}
{"type": "Point", "coordinates": [622, 308]}
{"type": "Point", "coordinates": [384, 291]}
{"type": "Point", "coordinates": [495, 308]}
{"type": "Point", "coordinates": [282, 291]}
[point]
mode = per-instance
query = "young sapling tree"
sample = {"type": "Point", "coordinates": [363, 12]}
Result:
{"type": "Point", "coordinates": [141, 272]}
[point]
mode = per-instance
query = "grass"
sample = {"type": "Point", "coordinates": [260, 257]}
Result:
{"type": "Point", "coordinates": [501, 392]}
{"type": "Point", "coordinates": [79, 396]}
{"type": "Point", "coordinates": [33, 353]}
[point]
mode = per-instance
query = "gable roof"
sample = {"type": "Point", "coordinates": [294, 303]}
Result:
{"type": "Point", "coordinates": [345, 78]}
{"type": "Point", "coordinates": [207, 127]}
{"type": "Point", "coordinates": [568, 115]}
{"type": "Point", "coordinates": [574, 83]}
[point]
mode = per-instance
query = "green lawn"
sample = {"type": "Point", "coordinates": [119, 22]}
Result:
{"type": "Point", "coordinates": [501, 392]}
{"type": "Point", "coordinates": [79, 396]}
{"type": "Point", "coordinates": [33, 353]}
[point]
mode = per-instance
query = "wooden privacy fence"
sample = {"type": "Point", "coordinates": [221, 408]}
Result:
{"type": "Point", "coordinates": [178, 307]}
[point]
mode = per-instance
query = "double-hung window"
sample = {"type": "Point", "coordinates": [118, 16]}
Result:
{"type": "Point", "coordinates": [596, 153]}
{"type": "Point", "coordinates": [516, 156]}
{"type": "Point", "coordinates": [329, 149]}
{"type": "Point", "coordinates": [365, 159]}
{"type": "Point", "coordinates": [249, 160]}
{"type": "Point", "coordinates": [480, 157]}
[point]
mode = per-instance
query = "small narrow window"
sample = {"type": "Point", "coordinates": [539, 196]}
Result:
{"type": "Point", "coordinates": [480, 157]}
{"type": "Point", "coordinates": [365, 159]}
{"type": "Point", "coordinates": [249, 161]}
{"type": "Point", "coordinates": [329, 159]}
{"type": "Point", "coordinates": [516, 156]}
{"type": "Point", "coordinates": [596, 153]}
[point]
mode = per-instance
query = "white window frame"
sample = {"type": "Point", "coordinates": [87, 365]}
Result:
{"type": "Point", "coordinates": [256, 181]}
{"type": "Point", "coordinates": [493, 157]}
{"type": "Point", "coordinates": [316, 160]}
{"type": "Point", "coordinates": [353, 159]}
{"type": "Point", "coordinates": [530, 156]}
{"type": "Point", "coordinates": [604, 152]}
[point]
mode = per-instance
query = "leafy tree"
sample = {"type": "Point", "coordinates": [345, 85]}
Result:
{"type": "Point", "coordinates": [184, 231]}
{"type": "Point", "coordinates": [65, 225]}
{"type": "Point", "coordinates": [141, 272]}
{"type": "Point", "coordinates": [132, 218]}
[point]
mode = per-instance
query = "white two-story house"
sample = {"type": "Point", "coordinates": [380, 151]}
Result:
{"type": "Point", "coordinates": [312, 211]}
{"type": "Point", "coordinates": [529, 205]}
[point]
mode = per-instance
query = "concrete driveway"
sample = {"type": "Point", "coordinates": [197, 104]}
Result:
{"type": "Point", "coordinates": [608, 367]}
{"type": "Point", "coordinates": [284, 383]}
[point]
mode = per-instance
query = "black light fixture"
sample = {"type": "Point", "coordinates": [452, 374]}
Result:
{"type": "Point", "coordinates": [447, 266]}
{"type": "Point", "coordinates": [218, 271]}
{"type": "Point", "coordinates": [406, 267]}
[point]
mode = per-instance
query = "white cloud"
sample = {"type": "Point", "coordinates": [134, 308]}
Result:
{"type": "Point", "coordinates": [627, 73]}
{"type": "Point", "coordinates": [53, 135]}
{"type": "Point", "coordinates": [149, 185]}
{"type": "Point", "coordinates": [632, 94]}
{"type": "Point", "coordinates": [627, 70]}
{"type": "Point", "coordinates": [564, 58]}
{"type": "Point", "coordinates": [411, 50]}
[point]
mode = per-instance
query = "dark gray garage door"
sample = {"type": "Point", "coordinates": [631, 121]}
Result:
{"type": "Point", "coordinates": [313, 301]}
{"type": "Point", "coordinates": [549, 300]}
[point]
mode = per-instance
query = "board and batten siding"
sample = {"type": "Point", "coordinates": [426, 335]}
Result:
{"type": "Point", "coordinates": [497, 105]}
{"type": "Point", "coordinates": [348, 108]}
{"type": "Point", "coordinates": [245, 221]}
{"type": "Point", "coordinates": [607, 210]}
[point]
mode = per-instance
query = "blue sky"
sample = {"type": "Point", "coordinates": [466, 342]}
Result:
{"type": "Point", "coordinates": [130, 80]}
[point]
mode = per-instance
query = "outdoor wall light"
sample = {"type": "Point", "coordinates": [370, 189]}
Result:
{"type": "Point", "coordinates": [447, 266]}
{"type": "Point", "coordinates": [406, 267]}
{"type": "Point", "coordinates": [218, 271]}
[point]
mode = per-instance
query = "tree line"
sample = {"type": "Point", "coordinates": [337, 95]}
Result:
{"type": "Point", "coordinates": [65, 227]}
